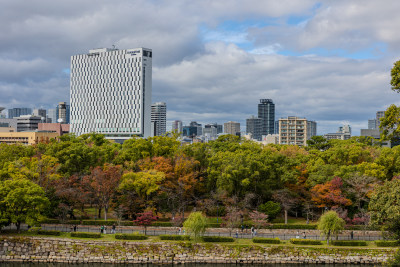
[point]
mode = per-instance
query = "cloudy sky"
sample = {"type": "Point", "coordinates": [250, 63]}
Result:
{"type": "Point", "coordinates": [213, 60]}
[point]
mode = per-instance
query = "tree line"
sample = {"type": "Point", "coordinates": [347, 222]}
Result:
{"type": "Point", "coordinates": [59, 178]}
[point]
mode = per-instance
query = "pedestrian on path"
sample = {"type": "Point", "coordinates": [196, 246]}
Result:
{"type": "Point", "coordinates": [304, 235]}
{"type": "Point", "coordinates": [252, 231]}
{"type": "Point", "coordinates": [113, 229]}
{"type": "Point", "coordinates": [237, 233]}
{"type": "Point", "coordinates": [101, 229]}
{"type": "Point", "coordinates": [351, 235]}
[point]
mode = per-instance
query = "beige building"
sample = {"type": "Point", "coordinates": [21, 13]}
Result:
{"type": "Point", "coordinates": [296, 131]}
{"type": "Point", "coordinates": [26, 138]}
{"type": "Point", "coordinates": [232, 127]}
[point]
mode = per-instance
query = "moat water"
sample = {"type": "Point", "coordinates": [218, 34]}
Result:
{"type": "Point", "coordinates": [16, 264]}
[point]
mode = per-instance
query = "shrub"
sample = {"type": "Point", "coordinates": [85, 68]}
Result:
{"type": "Point", "coordinates": [86, 235]}
{"type": "Point", "coordinates": [130, 237]}
{"type": "Point", "coordinates": [218, 239]}
{"type": "Point", "coordinates": [351, 243]}
{"type": "Point", "coordinates": [213, 225]}
{"type": "Point", "coordinates": [266, 240]}
{"type": "Point", "coordinates": [305, 241]}
{"type": "Point", "coordinates": [387, 243]}
{"type": "Point", "coordinates": [99, 222]}
{"type": "Point", "coordinates": [162, 224]}
{"type": "Point", "coordinates": [49, 232]}
{"type": "Point", "coordinates": [166, 219]}
{"type": "Point", "coordinates": [174, 237]}
{"type": "Point", "coordinates": [292, 226]}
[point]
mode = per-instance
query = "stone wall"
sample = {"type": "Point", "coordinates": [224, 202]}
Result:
{"type": "Point", "coordinates": [35, 249]}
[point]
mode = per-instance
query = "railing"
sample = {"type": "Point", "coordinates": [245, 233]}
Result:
{"type": "Point", "coordinates": [245, 234]}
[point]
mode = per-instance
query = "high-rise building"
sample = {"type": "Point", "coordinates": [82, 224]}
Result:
{"type": "Point", "coordinates": [232, 127]}
{"type": "Point", "coordinates": [379, 115]}
{"type": "Point", "coordinates": [159, 118]}
{"type": "Point", "coordinates": [52, 115]}
{"type": "Point", "coordinates": [254, 127]}
{"type": "Point", "coordinates": [372, 124]}
{"type": "Point", "coordinates": [111, 92]}
{"type": "Point", "coordinates": [39, 112]}
{"type": "Point", "coordinates": [210, 131]}
{"type": "Point", "coordinates": [62, 113]}
{"type": "Point", "coordinates": [2, 116]}
{"type": "Point", "coordinates": [16, 112]}
{"type": "Point", "coordinates": [266, 112]}
{"type": "Point", "coordinates": [193, 129]}
{"type": "Point", "coordinates": [177, 126]}
{"type": "Point", "coordinates": [296, 131]}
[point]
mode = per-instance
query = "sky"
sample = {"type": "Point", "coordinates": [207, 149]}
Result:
{"type": "Point", "coordinates": [328, 61]}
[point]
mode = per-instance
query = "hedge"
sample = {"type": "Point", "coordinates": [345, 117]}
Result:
{"type": "Point", "coordinates": [174, 237]}
{"type": "Point", "coordinates": [49, 232]}
{"type": "Point", "coordinates": [387, 243]}
{"type": "Point", "coordinates": [297, 241]}
{"type": "Point", "coordinates": [162, 224]}
{"type": "Point", "coordinates": [266, 240]}
{"type": "Point", "coordinates": [218, 239]}
{"type": "Point", "coordinates": [351, 243]}
{"type": "Point", "coordinates": [293, 226]}
{"type": "Point", "coordinates": [86, 235]}
{"type": "Point", "coordinates": [130, 237]}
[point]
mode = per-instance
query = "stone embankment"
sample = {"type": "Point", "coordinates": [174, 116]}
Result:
{"type": "Point", "coordinates": [35, 249]}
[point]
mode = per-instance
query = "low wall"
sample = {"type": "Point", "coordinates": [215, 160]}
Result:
{"type": "Point", "coordinates": [35, 249]}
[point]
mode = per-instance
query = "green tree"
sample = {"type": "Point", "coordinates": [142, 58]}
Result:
{"type": "Point", "coordinates": [272, 209]}
{"type": "Point", "coordinates": [318, 142]}
{"type": "Point", "coordinates": [390, 123]}
{"type": "Point", "coordinates": [395, 73]}
{"type": "Point", "coordinates": [384, 205]}
{"type": "Point", "coordinates": [196, 225]}
{"type": "Point", "coordinates": [22, 201]}
{"type": "Point", "coordinates": [330, 224]}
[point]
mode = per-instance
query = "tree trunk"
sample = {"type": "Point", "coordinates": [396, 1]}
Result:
{"type": "Point", "coordinates": [105, 212]}
{"type": "Point", "coordinates": [18, 225]}
{"type": "Point", "coordinates": [99, 215]}
{"type": "Point", "coordinates": [285, 216]}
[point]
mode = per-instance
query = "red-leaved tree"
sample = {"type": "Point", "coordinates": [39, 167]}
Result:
{"type": "Point", "coordinates": [145, 219]}
{"type": "Point", "coordinates": [329, 194]}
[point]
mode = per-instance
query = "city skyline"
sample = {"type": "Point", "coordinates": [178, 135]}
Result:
{"type": "Point", "coordinates": [323, 60]}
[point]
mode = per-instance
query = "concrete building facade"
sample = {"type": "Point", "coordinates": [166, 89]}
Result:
{"type": "Point", "coordinates": [296, 131]}
{"type": "Point", "coordinates": [232, 127]}
{"type": "Point", "coordinates": [254, 127]}
{"type": "Point", "coordinates": [26, 138]}
{"type": "Point", "coordinates": [28, 123]}
{"type": "Point", "coordinates": [111, 92]}
{"type": "Point", "coordinates": [159, 118]}
{"type": "Point", "coordinates": [177, 126]}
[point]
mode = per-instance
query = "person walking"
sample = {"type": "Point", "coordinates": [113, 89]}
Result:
{"type": "Point", "coordinates": [113, 229]}
{"type": "Point", "coordinates": [105, 229]}
{"type": "Point", "coordinates": [102, 229]}
{"type": "Point", "coordinates": [252, 232]}
{"type": "Point", "coordinates": [304, 235]}
{"type": "Point", "coordinates": [351, 235]}
{"type": "Point", "coordinates": [237, 233]}
{"type": "Point", "coordinates": [75, 228]}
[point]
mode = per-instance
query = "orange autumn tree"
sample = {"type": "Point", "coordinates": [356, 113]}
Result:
{"type": "Point", "coordinates": [102, 184]}
{"type": "Point", "coordinates": [329, 194]}
{"type": "Point", "coordinates": [181, 178]}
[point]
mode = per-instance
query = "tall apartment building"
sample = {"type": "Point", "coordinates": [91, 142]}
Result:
{"type": "Point", "coordinates": [177, 126]}
{"type": "Point", "coordinates": [266, 112]}
{"type": "Point", "coordinates": [374, 123]}
{"type": "Point", "coordinates": [296, 131]}
{"type": "Point", "coordinates": [111, 92]}
{"type": "Point", "coordinates": [159, 118]}
{"type": "Point", "coordinates": [232, 127]}
{"type": "Point", "coordinates": [16, 112]}
{"type": "Point", "coordinates": [254, 127]}
{"type": "Point", "coordinates": [63, 113]}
